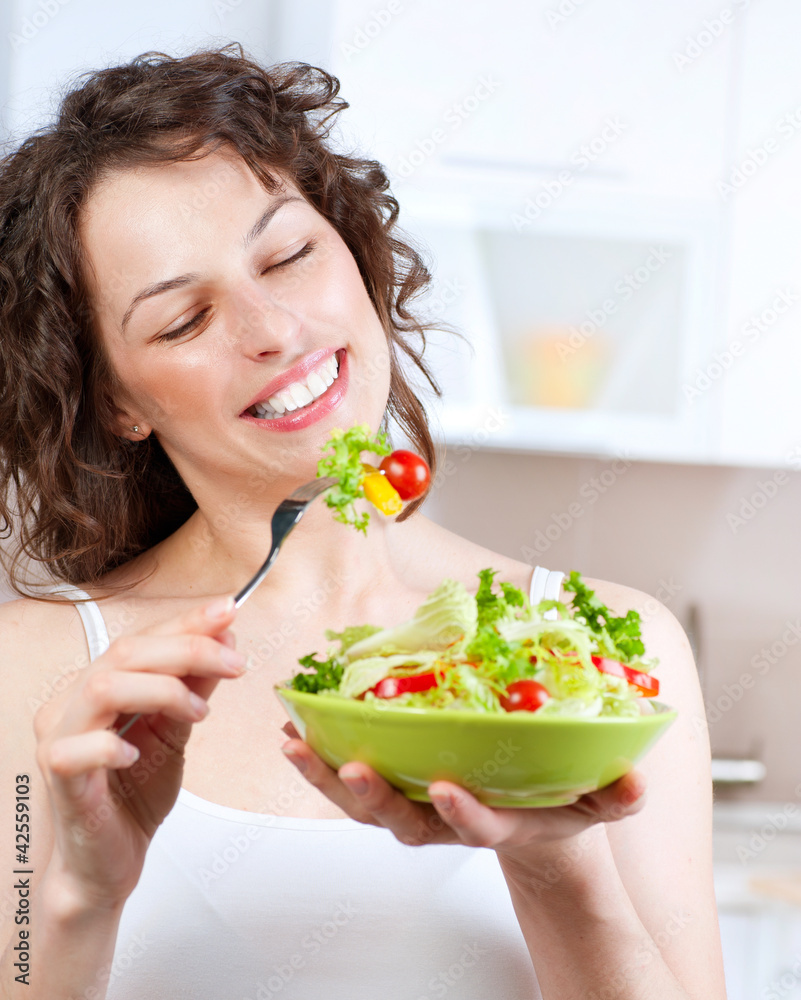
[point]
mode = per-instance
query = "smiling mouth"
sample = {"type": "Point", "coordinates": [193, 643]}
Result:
{"type": "Point", "coordinates": [298, 395]}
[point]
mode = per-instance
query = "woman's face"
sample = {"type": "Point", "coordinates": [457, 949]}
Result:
{"type": "Point", "coordinates": [237, 320]}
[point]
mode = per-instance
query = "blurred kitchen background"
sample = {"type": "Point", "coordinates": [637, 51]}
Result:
{"type": "Point", "coordinates": [609, 193]}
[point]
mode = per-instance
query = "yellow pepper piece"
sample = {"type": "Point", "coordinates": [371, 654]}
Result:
{"type": "Point", "coordinates": [381, 493]}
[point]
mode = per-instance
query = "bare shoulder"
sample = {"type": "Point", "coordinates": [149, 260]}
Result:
{"type": "Point", "coordinates": [38, 635]}
{"type": "Point", "coordinates": [663, 635]}
{"type": "Point", "coordinates": [44, 647]}
{"type": "Point", "coordinates": [432, 553]}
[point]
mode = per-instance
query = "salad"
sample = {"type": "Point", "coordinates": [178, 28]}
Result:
{"type": "Point", "coordinates": [401, 476]}
{"type": "Point", "coordinates": [493, 652]}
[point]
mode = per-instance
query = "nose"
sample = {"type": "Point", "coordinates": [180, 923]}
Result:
{"type": "Point", "coordinates": [262, 324]}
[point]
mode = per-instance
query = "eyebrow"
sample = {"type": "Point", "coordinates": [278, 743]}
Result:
{"type": "Point", "coordinates": [186, 279]}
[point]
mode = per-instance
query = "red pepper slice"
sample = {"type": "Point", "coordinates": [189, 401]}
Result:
{"type": "Point", "coordinates": [644, 682]}
{"type": "Point", "coordinates": [391, 687]}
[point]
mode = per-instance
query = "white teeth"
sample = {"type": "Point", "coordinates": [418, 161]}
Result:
{"type": "Point", "coordinates": [299, 394]}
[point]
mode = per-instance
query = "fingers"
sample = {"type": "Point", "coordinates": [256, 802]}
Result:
{"type": "Point", "coordinates": [209, 618]}
{"type": "Point", "coordinates": [475, 824]}
{"type": "Point", "coordinates": [365, 796]}
{"type": "Point", "coordinates": [110, 693]}
{"type": "Point", "coordinates": [622, 798]}
{"type": "Point", "coordinates": [197, 655]}
{"type": "Point", "coordinates": [325, 779]}
{"type": "Point", "coordinates": [412, 823]}
{"type": "Point", "coordinates": [72, 756]}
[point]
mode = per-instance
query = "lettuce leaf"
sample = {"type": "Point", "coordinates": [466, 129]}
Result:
{"type": "Point", "coordinates": [444, 618]}
{"type": "Point", "coordinates": [345, 464]}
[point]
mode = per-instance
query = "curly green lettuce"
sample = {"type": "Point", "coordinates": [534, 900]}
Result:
{"type": "Point", "coordinates": [345, 464]}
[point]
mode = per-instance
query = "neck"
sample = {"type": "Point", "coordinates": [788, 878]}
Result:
{"type": "Point", "coordinates": [220, 548]}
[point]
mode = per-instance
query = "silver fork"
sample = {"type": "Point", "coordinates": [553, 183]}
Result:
{"type": "Point", "coordinates": [286, 516]}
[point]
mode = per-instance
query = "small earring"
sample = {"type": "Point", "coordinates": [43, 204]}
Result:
{"type": "Point", "coordinates": [135, 428]}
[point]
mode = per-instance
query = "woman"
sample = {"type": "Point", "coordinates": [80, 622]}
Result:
{"type": "Point", "coordinates": [179, 246]}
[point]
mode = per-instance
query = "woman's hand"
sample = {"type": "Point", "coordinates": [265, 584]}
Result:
{"type": "Point", "coordinates": [457, 817]}
{"type": "Point", "coordinates": [109, 794]}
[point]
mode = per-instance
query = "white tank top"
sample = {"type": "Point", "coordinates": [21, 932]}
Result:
{"type": "Point", "coordinates": [234, 905]}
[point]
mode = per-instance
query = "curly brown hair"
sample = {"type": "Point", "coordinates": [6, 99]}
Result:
{"type": "Point", "coordinates": [85, 500]}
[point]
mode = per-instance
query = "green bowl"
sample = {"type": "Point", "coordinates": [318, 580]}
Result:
{"type": "Point", "coordinates": [518, 759]}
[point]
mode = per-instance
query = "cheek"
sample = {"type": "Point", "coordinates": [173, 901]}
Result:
{"type": "Point", "coordinates": [161, 389]}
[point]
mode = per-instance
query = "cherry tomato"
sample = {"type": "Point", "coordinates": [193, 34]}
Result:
{"type": "Point", "coordinates": [408, 473]}
{"type": "Point", "coordinates": [643, 682]}
{"type": "Point", "coordinates": [524, 696]}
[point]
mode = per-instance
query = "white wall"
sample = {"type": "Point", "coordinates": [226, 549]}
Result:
{"type": "Point", "coordinates": [47, 42]}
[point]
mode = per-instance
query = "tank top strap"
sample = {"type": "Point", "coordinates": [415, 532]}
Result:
{"type": "Point", "coordinates": [94, 626]}
{"type": "Point", "coordinates": [545, 585]}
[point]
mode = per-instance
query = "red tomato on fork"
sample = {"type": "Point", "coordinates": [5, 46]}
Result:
{"type": "Point", "coordinates": [408, 473]}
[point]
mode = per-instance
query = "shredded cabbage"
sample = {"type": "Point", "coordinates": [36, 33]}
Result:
{"type": "Point", "coordinates": [476, 646]}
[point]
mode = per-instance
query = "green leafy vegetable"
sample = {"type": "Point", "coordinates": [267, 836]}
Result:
{"type": "Point", "coordinates": [347, 637]}
{"type": "Point", "coordinates": [327, 674]}
{"type": "Point", "coordinates": [478, 646]}
{"type": "Point", "coordinates": [619, 638]}
{"type": "Point", "coordinates": [491, 606]}
{"type": "Point", "coordinates": [445, 617]}
{"type": "Point", "coordinates": [345, 464]}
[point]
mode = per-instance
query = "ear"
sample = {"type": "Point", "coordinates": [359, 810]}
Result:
{"type": "Point", "coordinates": [127, 426]}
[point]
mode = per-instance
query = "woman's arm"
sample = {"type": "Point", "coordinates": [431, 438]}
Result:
{"type": "Point", "coordinates": [71, 945]}
{"type": "Point", "coordinates": [621, 909]}
{"type": "Point", "coordinates": [91, 821]}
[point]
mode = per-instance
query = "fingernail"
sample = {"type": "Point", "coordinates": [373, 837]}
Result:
{"type": "Point", "coordinates": [444, 803]}
{"type": "Point", "coordinates": [633, 792]}
{"type": "Point", "coordinates": [233, 659]}
{"type": "Point", "coordinates": [293, 758]}
{"type": "Point", "coordinates": [356, 783]}
{"type": "Point", "coordinates": [200, 706]}
{"type": "Point", "coordinates": [220, 608]}
{"type": "Point", "coordinates": [131, 752]}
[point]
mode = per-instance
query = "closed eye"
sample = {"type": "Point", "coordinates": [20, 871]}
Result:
{"type": "Point", "coordinates": [303, 252]}
{"type": "Point", "coordinates": [198, 319]}
{"type": "Point", "coordinates": [186, 328]}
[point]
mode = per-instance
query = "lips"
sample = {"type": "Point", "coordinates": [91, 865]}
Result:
{"type": "Point", "coordinates": [308, 414]}
{"type": "Point", "coordinates": [297, 373]}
